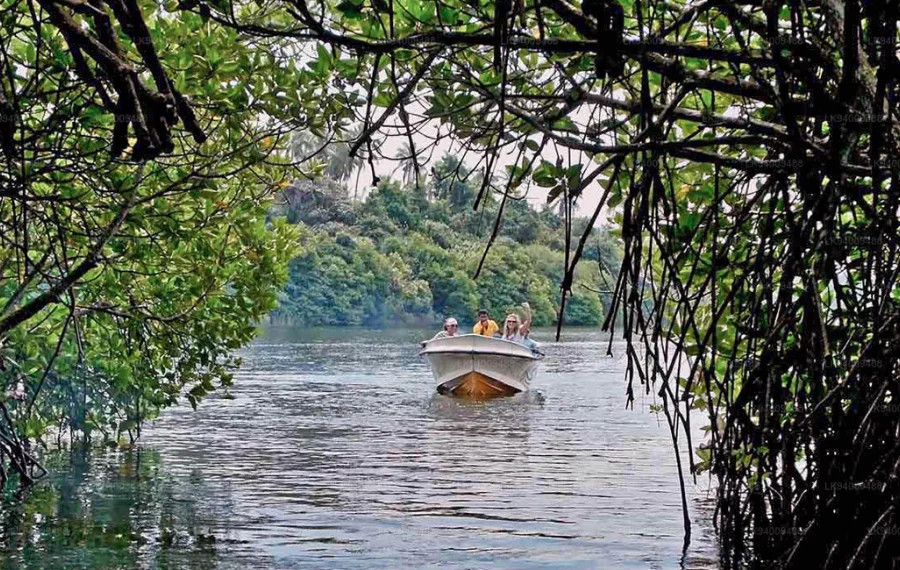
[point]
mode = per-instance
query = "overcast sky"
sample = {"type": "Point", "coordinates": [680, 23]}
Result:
{"type": "Point", "coordinates": [430, 152]}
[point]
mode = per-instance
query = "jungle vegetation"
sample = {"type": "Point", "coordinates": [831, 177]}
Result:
{"type": "Point", "coordinates": [749, 150]}
{"type": "Point", "coordinates": [407, 253]}
{"type": "Point", "coordinates": [135, 255]}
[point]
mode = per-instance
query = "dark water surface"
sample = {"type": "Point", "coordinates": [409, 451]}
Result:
{"type": "Point", "coordinates": [335, 453]}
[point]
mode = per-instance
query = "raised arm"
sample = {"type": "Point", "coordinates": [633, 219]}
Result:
{"type": "Point", "coordinates": [525, 327]}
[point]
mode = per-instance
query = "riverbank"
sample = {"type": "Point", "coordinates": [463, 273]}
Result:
{"type": "Point", "coordinates": [409, 254]}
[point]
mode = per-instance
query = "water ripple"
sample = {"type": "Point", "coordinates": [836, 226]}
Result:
{"type": "Point", "coordinates": [336, 453]}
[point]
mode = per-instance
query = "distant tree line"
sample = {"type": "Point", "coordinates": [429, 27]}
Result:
{"type": "Point", "coordinates": [408, 253]}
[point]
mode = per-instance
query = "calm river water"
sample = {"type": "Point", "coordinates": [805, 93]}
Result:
{"type": "Point", "coordinates": [335, 453]}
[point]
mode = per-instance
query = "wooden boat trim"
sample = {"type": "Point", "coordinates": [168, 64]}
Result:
{"type": "Point", "coordinates": [477, 386]}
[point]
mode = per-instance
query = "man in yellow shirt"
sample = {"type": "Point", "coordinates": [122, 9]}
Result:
{"type": "Point", "coordinates": [485, 326]}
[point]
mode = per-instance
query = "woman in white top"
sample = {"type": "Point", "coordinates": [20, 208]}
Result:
{"type": "Point", "coordinates": [515, 330]}
{"type": "Point", "coordinates": [512, 329]}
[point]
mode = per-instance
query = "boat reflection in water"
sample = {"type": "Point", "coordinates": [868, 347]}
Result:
{"type": "Point", "coordinates": [478, 368]}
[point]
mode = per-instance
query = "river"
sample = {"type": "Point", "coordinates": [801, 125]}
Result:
{"type": "Point", "coordinates": [334, 452]}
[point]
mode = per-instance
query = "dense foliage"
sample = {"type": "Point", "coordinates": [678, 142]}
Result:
{"type": "Point", "coordinates": [751, 151]}
{"type": "Point", "coordinates": [408, 253]}
{"type": "Point", "coordinates": [126, 284]}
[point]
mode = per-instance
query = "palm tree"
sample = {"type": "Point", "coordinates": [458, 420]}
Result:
{"type": "Point", "coordinates": [408, 166]}
{"type": "Point", "coordinates": [339, 165]}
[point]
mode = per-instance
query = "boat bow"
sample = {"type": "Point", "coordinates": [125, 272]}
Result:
{"type": "Point", "coordinates": [479, 367]}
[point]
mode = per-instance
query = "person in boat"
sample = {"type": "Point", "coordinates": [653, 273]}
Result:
{"type": "Point", "coordinates": [512, 329]}
{"type": "Point", "coordinates": [516, 330]}
{"type": "Point", "coordinates": [451, 328]}
{"type": "Point", "coordinates": [485, 326]}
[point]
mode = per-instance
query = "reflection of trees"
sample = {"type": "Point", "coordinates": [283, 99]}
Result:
{"type": "Point", "coordinates": [109, 510]}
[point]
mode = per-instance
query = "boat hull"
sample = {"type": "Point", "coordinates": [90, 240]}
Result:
{"type": "Point", "coordinates": [480, 368]}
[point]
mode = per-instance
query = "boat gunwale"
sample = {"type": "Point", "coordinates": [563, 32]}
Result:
{"type": "Point", "coordinates": [537, 356]}
{"type": "Point", "coordinates": [532, 356]}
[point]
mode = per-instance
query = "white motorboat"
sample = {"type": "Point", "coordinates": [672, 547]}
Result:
{"type": "Point", "coordinates": [479, 367]}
